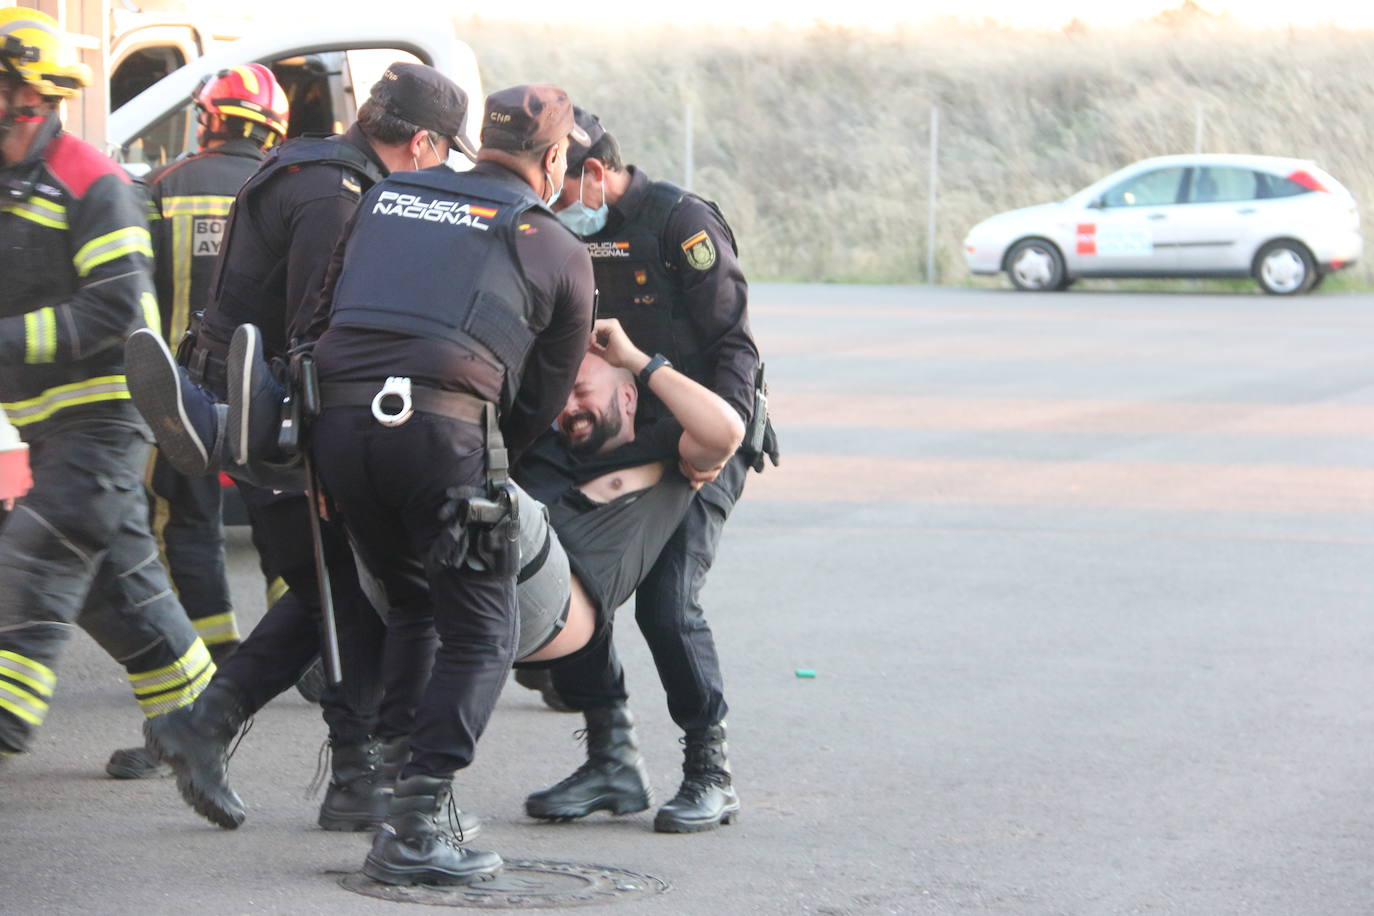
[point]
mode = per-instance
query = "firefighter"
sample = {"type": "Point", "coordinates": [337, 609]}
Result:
{"type": "Point", "coordinates": [75, 280]}
{"type": "Point", "coordinates": [241, 112]}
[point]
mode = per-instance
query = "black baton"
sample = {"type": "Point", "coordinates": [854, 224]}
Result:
{"type": "Point", "coordinates": [307, 394]}
{"type": "Point", "coordinates": [329, 648]}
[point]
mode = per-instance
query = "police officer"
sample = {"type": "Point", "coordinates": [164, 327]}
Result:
{"type": "Point", "coordinates": [75, 279]}
{"type": "Point", "coordinates": [241, 112]}
{"type": "Point", "coordinates": [666, 267]}
{"type": "Point", "coordinates": [277, 245]}
{"type": "Point", "coordinates": [459, 298]}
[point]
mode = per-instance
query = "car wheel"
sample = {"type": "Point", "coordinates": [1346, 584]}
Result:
{"type": "Point", "coordinates": [1034, 265]}
{"type": "Point", "coordinates": [1284, 268]}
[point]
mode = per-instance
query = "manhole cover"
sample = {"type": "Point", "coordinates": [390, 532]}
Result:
{"type": "Point", "coordinates": [523, 884]}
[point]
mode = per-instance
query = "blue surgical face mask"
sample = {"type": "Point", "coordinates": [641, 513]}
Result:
{"type": "Point", "coordinates": [582, 219]}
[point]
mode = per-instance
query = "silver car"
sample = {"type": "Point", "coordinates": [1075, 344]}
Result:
{"type": "Point", "coordinates": [1285, 222]}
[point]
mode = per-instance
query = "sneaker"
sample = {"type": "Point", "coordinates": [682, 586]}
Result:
{"type": "Point", "coordinates": [136, 763]}
{"type": "Point", "coordinates": [185, 418]}
{"type": "Point", "coordinates": [255, 400]}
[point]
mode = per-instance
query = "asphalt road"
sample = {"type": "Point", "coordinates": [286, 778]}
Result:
{"type": "Point", "coordinates": [1085, 582]}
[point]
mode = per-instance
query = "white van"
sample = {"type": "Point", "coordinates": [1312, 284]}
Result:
{"type": "Point", "coordinates": [325, 70]}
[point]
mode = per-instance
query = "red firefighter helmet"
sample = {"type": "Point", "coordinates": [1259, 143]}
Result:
{"type": "Point", "coordinates": [243, 101]}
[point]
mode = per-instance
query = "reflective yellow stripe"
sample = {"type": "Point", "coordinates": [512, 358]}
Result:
{"type": "Point", "coordinates": [250, 79]}
{"type": "Point", "coordinates": [218, 628]}
{"type": "Point", "coordinates": [24, 705]}
{"type": "Point", "coordinates": [129, 240]}
{"type": "Point", "coordinates": [198, 205]}
{"type": "Point", "coordinates": [28, 671]}
{"type": "Point", "coordinates": [40, 335]}
{"type": "Point", "coordinates": [105, 388]}
{"type": "Point", "coordinates": [166, 702]}
{"type": "Point", "coordinates": [153, 212]}
{"type": "Point", "coordinates": [37, 210]}
{"type": "Point", "coordinates": [275, 589]}
{"type": "Point", "coordinates": [176, 674]}
{"type": "Point", "coordinates": [248, 114]}
{"type": "Point", "coordinates": [151, 316]}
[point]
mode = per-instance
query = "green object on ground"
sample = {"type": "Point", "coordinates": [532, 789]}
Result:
{"type": "Point", "coordinates": [805, 672]}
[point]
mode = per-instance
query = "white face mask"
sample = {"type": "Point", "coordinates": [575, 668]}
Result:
{"type": "Point", "coordinates": [582, 219]}
{"type": "Point", "coordinates": [555, 193]}
{"type": "Point", "coordinates": [438, 160]}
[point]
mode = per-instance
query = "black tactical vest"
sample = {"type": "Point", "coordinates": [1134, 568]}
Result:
{"type": "Point", "coordinates": [432, 255]}
{"type": "Point", "coordinates": [294, 153]}
{"type": "Point", "coordinates": [638, 286]}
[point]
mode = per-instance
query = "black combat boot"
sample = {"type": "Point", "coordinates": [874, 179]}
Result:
{"type": "Point", "coordinates": [707, 798]}
{"type": "Point", "coordinates": [540, 680]}
{"type": "Point", "coordinates": [395, 755]}
{"type": "Point", "coordinates": [195, 740]}
{"type": "Point", "coordinates": [410, 847]}
{"type": "Point", "coordinates": [613, 778]}
{"type": "Point", "coordinates": [355, 799]}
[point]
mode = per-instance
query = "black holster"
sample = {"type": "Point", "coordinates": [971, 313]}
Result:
{"type": "Point", "coordinates": [759, 437]}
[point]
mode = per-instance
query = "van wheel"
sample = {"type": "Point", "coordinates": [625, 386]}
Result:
{"type": "Point", "coordinates": [1035, 265]}
{"type": "Point", "coordinates": [1285, 268]}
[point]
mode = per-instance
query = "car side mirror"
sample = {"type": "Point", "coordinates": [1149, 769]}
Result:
{"type": "Point", "coordinates": [1095, 204]}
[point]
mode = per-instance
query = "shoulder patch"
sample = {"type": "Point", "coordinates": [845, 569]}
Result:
{"type": "Point", "coordinates": [78, 165]}
{"type": "Point", "coordinates": [351, 185]}
{"type": "Point", "coordinates": [700, 253]}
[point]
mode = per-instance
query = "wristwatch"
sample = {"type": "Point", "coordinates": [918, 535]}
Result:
{"type": "Point", "coordinates": [653, 365]}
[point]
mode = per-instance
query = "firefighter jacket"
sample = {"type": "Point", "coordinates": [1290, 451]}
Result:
{"type": "Point", "coordinates": [666, 267]}
{"type": "Point", "coordinates": [188, 206]}
{"type": "Point", "coordinates": [75, 280]}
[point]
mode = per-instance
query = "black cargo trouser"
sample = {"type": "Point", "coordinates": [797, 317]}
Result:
{"type": "Point", "coordinates": [288, 638]}
{"type": "Point", "coordinates": [77, 551]}
{"type": "Point", "coordinates": [186, 517]}
{"type": "Point", "coordinates": [671, 618]}
{"type": "Point", "coordinates": [390, 484]}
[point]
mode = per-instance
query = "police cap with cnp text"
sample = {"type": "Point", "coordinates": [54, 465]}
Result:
{"type": "Point", "coordinates": [529, 117]}
{"type": "Point", "coordinates": [426, 98]}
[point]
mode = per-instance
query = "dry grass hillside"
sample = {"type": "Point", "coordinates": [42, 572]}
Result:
{"type": "Point", "coordinates": [816, 143]}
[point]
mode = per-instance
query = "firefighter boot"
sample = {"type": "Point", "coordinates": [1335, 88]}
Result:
{"type": "Point", "coordinates": [185, 419]}
{"type": "Point", "coordinates": [136, 763]}
{"type": "Point", "coordinates": [613, 778]}
{"type": "Point", "coordinates": [195, 740]}
{"type": "Point", "coordinates": [410, 847]}
{"type": "Point", "coordinates": [355, 799]}
{"type": "Point", "coordinates": [707, 797]}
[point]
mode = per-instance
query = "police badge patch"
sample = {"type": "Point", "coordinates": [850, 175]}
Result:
{"type": "Point", "coordinates": [701, 254]}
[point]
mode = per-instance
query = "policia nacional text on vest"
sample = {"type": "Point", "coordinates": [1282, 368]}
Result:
{"type": "Point", "coordinates": [477, 296]}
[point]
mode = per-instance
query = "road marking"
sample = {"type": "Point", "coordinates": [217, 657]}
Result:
{"type": "Point", "coordinates": [1070, 484]}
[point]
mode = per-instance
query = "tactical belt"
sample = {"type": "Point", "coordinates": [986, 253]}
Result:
{"type": "Point", "coordinates": [452, 404]}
